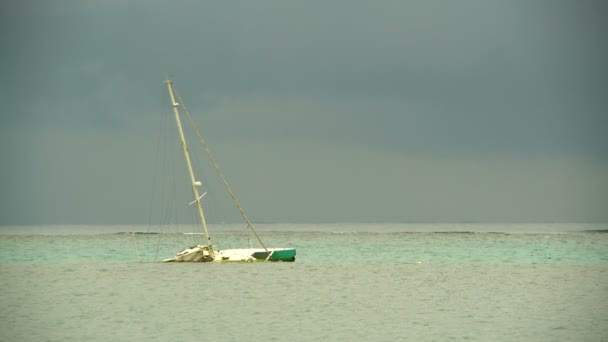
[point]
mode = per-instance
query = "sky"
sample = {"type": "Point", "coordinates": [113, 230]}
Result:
{"type": "Point", "coordinates": [317, 111]}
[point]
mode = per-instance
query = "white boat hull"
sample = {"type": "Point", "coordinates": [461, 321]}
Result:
{"type": "Point", "coordinates": [201, 254]}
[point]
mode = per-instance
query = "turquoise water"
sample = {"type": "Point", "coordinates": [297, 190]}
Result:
{"type": "Point", "coordinates": [318, 243]}
{"type": "Point", "coordinates": [367, 282]}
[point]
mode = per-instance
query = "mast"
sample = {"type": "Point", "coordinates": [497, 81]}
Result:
{"type": "Point", "coordinates": [195, 184]}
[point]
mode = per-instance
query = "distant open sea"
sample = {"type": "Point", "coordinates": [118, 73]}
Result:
{"type": "Point", "coordinates": [363, 282]}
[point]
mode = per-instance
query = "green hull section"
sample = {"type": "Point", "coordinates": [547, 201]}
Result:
{"type": "Point", "coordinates": [288, 254]}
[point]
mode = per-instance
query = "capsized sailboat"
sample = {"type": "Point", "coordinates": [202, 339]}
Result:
{"type": "Point", "coordinates": [206, 252]}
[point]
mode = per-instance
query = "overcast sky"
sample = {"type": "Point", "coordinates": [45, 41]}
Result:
{"type": "Point", "coordinates": [318, 111]}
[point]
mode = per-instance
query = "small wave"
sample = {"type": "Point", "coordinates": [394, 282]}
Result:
{"type": "Point", "coordinates": [135, 233]}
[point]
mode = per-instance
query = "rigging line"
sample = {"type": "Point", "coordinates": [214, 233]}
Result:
{"type": "Point", "coordinates": [159, 173]}
{"type": "Point", "coordinates": [139, 257]}
{"type": "Point", "coordinates": [217, 169]}
{"type": "Point", "coordinates": [157, 247]}
{"type": "Point", "coordinates": [155, 176]}
{"type": "Point", "coordinates": [168, 210]}
{"type": "Point", "coordinates": [164, 196]}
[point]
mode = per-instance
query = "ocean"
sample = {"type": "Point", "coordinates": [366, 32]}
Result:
{"type": "Point", "coordinates": [365, 282]}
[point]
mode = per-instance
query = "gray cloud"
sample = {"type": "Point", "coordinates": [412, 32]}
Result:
{"type": "Point", "coordinates": [452, 83]}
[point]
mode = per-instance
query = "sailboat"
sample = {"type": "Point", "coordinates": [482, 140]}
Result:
{"type": "Point", "coordinates": [206, 252]}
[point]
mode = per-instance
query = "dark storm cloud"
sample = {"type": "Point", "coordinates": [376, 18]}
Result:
{"type": "Point", "coordinates": [528, 74]}
{"type": "Point", "coordinates": [414, 79]}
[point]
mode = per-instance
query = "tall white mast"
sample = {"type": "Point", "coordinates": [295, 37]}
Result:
{"type": "Point", "coordinates": [195, 184]}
